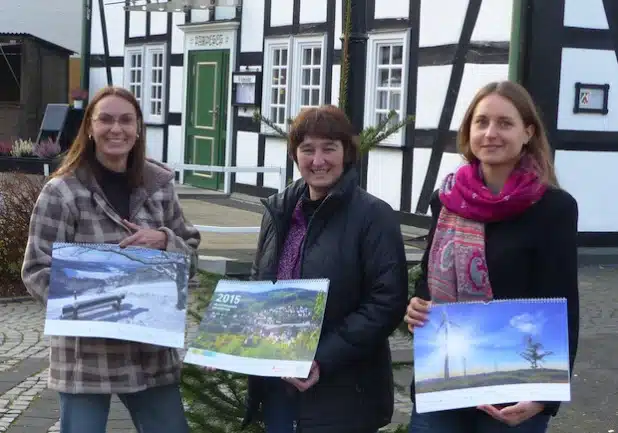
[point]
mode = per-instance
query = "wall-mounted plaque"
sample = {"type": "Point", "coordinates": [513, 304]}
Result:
{"type": "Point", "coordinates": [591, 98]}
{"type": "Point", "coordinates": [247, 88]}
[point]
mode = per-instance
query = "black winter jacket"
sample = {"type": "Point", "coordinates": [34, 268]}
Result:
{"type": "Point", "coordinates": [353, 239]}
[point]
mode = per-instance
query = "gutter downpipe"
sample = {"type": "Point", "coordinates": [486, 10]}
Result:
{"type": "Point", "coordinates": [516, 44]}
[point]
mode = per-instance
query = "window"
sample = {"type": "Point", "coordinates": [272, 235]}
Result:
{"type": "Point", "coordinates": [10, 72]}
{"type": "Point", "coordinates": [386, 79]}
{"type": "Point", "coordinates": [293, 77]}
{"type": "Point", "coordinates": [145, 78]}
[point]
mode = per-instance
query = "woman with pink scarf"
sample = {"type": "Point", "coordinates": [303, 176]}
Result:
{"type": "Point", "coordinates": [502, 229]}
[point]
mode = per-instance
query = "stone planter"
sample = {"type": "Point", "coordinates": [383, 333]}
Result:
{"type": "Point", "coordinates": [28, 164]}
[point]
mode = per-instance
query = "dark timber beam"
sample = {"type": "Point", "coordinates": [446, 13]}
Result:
{"type": "Point", "coordinates": [357, 55]}
{"type": "Point", "coordinates": [448, 109]}
{"type": "Point", "coordinates": [108, 68]}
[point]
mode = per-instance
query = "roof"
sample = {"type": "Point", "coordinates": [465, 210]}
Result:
{"type": "Point", "coordinates": [40, 41]}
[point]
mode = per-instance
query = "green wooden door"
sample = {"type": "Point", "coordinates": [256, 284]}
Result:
{"type": "Point", "coordinates": [206, 110]}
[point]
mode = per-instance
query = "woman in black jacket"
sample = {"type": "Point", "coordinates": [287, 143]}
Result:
{"type": "Point", "coordinates": [325, 226]}
{"type": "Point", "coordinates": [520, 233]}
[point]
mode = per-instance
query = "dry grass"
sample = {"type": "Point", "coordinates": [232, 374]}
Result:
{"type": "Point", "coordinates": [18, 194]}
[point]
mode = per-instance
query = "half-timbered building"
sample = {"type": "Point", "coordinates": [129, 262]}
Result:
{"type": "Point", "coordinates": [200, 72]}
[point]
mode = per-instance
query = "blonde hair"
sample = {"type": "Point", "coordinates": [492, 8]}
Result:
{"type": "Point", "coordinates": [537, 148]}
{"type": "Point", "coordinates": [82, 151]}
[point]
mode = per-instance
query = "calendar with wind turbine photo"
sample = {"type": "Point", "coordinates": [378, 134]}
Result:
{"type": "Point", "coordinates": [473, 353]}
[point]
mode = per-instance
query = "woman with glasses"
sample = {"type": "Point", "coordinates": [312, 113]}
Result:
{"type": "Point", "coordinates": [106, 191]}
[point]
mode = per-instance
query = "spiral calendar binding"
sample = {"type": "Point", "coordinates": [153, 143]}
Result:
{"type": "Point", "coordinates": [510, 301]}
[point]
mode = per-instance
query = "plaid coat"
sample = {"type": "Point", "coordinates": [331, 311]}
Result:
{"type": "Point", "coordinates": [74, 209]}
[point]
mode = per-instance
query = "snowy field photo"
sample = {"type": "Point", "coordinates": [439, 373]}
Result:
{"type": "Point", "coordinates": [490, 353]}
{"type": "Point", "coordinates": [133, 293]}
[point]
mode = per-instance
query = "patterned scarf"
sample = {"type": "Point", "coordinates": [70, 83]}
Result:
{"type": "Point", "coordinates": [457, 267]}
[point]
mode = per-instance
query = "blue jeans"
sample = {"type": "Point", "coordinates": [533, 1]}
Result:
{"type": "Point", "coordinates": [155, 410]}
{"type": "Point", "coordinates": [471, 421]}
{"type": "Point", "coordinates": [279, 407]}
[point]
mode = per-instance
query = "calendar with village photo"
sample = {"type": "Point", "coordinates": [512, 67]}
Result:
{"type": "Point", "coordinates": [133, 293]}
{"type": "Point", "coordinates": [261, 328]}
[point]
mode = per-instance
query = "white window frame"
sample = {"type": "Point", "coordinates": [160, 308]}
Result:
{"type": "Point", "coordinates": [377, 40]}
{"type": "Point", "coordinates": [301, 43]}
{"type": "Point", "coordinates": [129, 53]}
{"type": "Point", "coordinates": [269, 46]}
{"type": "Point", "coordinates": [145, 102]}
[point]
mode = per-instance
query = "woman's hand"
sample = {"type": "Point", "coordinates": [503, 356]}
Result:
{"type": "Point", "coordinates": [304, 384]}
{"type": "Point", "coordinates": [144, 237]}
{"type": "Point", "coordinates": [514, 414]}
{"type": "Point", "coordinates": [416, 314]}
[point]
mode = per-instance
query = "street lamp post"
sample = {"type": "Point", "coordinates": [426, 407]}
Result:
{"type": "Point", "coordinates": [357, 57]}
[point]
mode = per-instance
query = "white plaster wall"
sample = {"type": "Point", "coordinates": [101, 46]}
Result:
{"type": "Point", "coordinates": [225, 12]}
{"type": "Point", "coordinates": [176, 103]}
{"type": "Point", "coordinates": [154, 143]}
{"type": "Point", "coordinates": [585, 13]}
{"type": "Point", "coordinates": [338, 23]}
{"type": "Point", "coordinates": [475, 76]}
{"type": "Point", "coordinates": [384, 169]}
{"type": "Point", "coordinates": [137, 24]}
{"type": "Point", "coordinates": [247, 156]}
{"type": "Point", "coordinates": [98, 79]}
{"type": "Point", "coordinates": [174, 145]}
{"type": "Point", "coordinates": [199, 16]}
{"type": "Point", "coordinates": [158, 23]}
{"type": "Point", "coordinates": [178, 37]}
{"type": "Point", "coordinates": [494, 21]}
{"type": "Point", "coordinates": [252, 26]}
{"type": "Point", "coordinates": [392, 9]}
{"type": "Point", "coordinates": [441, 21]}
{"type": "Point", "coordinates": [114, 18]}
{"type": "Point", "coordinates": [587, 66]}
{"type": "Point", "coordinates": [295, 172]}
{"type": "Point", "coordinates": [336, 85]}
{"type": "Point", "coordinates": [56, 21]}
{"type": "Point", "coordinates": [313, 11]}
{"type": "Point", "coordinates": [588, 176]}
{"type": "Point", "coordinates": [449, 163]}
{"type": "Point", "coordinates": [282, 13]}
{"type": "Point", "coordinates": [275, 155]}
{"type": "Point", "coordinates": [432, 83]}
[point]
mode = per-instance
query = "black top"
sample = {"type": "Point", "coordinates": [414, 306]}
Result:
{"type": "Point", "coordinates": [354, 239]}
{"type": "Point", "coordinates": [115, 186]}
{"type": "Point", "coordinates": [531, 256]}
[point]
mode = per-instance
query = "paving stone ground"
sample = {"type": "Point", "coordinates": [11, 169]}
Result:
{"type": "Point", "coordinates": [27, 406]}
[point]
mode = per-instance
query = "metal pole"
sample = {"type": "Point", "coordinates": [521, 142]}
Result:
{"type": "Point", "coordinates": [357, 58]}
{"type": "Point", "coordinates": [516, 45]}
{"type": "Point", "coordinates": [85, 51]}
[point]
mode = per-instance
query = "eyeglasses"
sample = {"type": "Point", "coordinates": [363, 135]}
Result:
{"type": "Point", "coordinates": [125, 120]}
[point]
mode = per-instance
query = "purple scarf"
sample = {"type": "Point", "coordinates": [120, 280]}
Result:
{"type": "Point", "coordinates": [289, 262]}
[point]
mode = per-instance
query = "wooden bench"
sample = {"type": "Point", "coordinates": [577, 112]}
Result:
{"type": "Point", "coordinates": [72, 311]}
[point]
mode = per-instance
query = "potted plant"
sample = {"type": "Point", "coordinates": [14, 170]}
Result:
{"type": "Point", "coordinates": [78, 96]}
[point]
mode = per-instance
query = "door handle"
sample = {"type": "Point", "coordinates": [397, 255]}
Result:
{"type": "Point", "coordinates": [214, 112]}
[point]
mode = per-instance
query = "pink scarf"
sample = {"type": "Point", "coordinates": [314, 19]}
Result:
{"type": "Point", "coordinates": [457, 268]}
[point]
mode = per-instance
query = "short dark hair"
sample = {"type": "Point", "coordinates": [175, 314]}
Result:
{"type": "Point", "coordinates": [326, 122]}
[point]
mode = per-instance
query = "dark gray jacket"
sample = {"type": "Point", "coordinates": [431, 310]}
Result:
{"type": "Point", "coordinates": [353, 239]}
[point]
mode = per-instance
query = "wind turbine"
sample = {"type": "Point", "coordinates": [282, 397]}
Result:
{"type": "Point", "coordinates": [446, 324]}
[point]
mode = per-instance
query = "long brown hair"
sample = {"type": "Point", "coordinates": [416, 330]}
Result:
{"type": "Point", "coordinates": [82, 150]}
{"type": "Point", "coordinates": [537, 147]}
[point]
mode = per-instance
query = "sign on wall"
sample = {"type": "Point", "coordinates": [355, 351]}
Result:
{"type": "Point", "coordinates": [591, 98]}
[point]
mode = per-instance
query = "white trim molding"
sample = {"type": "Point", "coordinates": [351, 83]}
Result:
{"type": "Point", "coordinates": [387, 77]}
{"type": "Point", "coordinates": [211, 36]}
